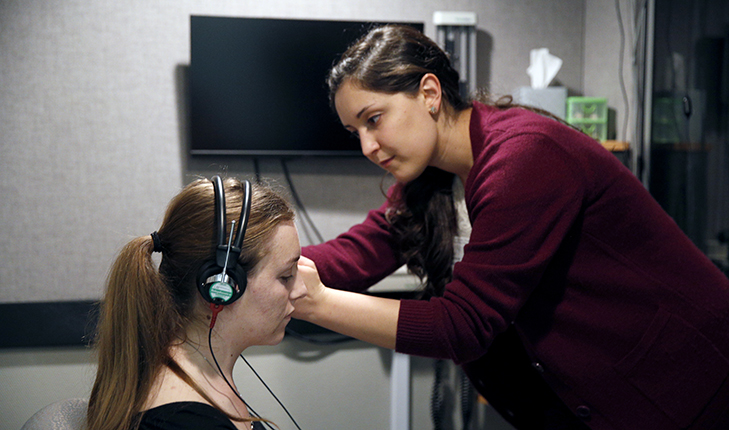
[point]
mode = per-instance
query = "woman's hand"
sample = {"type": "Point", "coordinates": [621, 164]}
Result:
{"type": "Point", "coordinates": [315, 290]}
{"type": "Point", "coordinates": [368, 318]}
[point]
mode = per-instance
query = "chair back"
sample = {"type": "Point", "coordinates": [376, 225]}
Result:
{"type": "Point", "coordinates": [69, 414]}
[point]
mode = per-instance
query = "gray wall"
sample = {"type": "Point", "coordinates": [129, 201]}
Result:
{"type": "Point", "coordinates": [92, 147]}
{"type": "Point", "coordinates": [93, 142]}
{"type": "Point", "coordinates": [602, 60]}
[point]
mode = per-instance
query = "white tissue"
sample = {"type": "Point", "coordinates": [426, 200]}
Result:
{"type": "Point", "coordinates": [543, 67]}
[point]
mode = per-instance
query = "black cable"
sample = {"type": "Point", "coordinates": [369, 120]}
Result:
{"type": "Point", "coordinates": [467, 399]}
{"type": "Point", "coordinates": [437, 396]}
{"type": "Point", "coordinates": [257, 170]}
{"type": "Point", "coordinates": [339, 338]}
{"type": "Point", "coordinates": [305, 216]}
{"type": "Point", "coordinates": [212, 353]}
{"type": "Point", "coordinates": [270, 391]}
{"type": "Point", "coordinates": [620, 70]}
{"type": "Point", "coordinates": [301, 207]}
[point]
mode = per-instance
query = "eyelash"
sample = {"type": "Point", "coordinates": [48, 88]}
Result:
{"type": "Point", "coordinates": [371, 121]}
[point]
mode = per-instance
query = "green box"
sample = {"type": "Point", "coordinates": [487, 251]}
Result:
{"type": "Point", "coordinates": [597, 129]}
{"type": "Point", "coordinates": [589, 114]}
{"type": "Point", "coordinates": [592, 108]}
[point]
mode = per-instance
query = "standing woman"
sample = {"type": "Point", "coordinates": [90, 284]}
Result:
{"type": "Point", "coordinates": [578, 302]}
{"type": "Point", "coordinates": [168, 337]}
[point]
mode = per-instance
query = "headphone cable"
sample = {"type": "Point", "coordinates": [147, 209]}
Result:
{"type": "Point", "coordinates": [299, 204]}
{"type": "Point", "coordinates": [212, 353]}
{"type": "Point", "coordinates": [270, 391]}
{"type": "Point", "coordinates": [255, 414]}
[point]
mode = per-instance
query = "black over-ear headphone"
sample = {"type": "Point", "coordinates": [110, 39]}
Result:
{"type": "Point", "coordinates": [222, 280]}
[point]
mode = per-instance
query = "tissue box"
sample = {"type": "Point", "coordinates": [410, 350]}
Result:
{"type": "Point", "coordinates": [551, 99]}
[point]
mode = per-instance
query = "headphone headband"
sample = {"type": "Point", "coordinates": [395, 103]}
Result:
{"type": "Point", "coordinates": [221, 280]}
{"type": "Point", "coordinates": [221, 252]}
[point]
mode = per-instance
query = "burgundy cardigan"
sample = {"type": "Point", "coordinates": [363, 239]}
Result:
{"type": "Point", "coordinates": [621, 315]}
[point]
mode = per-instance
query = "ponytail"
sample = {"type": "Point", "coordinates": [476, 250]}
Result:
{"type": "Point", "coordinates": [137, 323]}
{"type": "Point", "coordinates": [148, 310]}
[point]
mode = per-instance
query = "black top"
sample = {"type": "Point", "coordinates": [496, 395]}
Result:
{"type": "Point", "coordinates": [188, 415]}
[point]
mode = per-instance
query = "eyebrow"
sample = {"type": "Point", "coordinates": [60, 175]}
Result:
{"type": "Point", "coordinates": [359, 114]}
{"type": "Point", "coordinates": [295, 260]}
{"type": "Point", "coordinates": [289, 265]}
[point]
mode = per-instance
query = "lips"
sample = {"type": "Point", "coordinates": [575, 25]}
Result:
{"type": "Point", "coordinates": [386, 162]}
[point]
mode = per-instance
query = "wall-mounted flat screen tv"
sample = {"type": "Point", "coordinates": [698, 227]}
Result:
{"type": "Point", "coordinates": [257, 85]}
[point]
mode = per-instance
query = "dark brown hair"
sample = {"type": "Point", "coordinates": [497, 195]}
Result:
{"type": "Point", "coordinates": [393, 59]}
{"type": "Point", "coordinates": [146, 310]}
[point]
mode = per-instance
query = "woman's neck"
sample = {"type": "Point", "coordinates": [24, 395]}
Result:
{"type": "Point", "coordinates": [207, 385]}
{"type": "Point", "coordinates": [454, 140]}
{"type": "Point", "coordinates": [197, 348]}
{"type": "Point", "coordinates": [199, 373]}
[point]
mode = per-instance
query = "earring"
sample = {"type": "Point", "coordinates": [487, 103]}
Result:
{"type": "Point", "coordinates": [433, 110]}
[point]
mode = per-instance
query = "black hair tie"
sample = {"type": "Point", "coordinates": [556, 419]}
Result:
{"type": "Point", "coordinates": [157, 242]}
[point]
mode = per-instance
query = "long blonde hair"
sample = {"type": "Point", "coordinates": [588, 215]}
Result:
{"type": "Point", "coordinates": [146, 310]}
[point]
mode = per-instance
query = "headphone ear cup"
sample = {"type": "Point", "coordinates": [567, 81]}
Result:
{"type": "Point", "coordinates": [220, 291]}
{"type": "Point", "coordinates": [240, 276]}
{"type": "Point", "coordinates": [208, 269]}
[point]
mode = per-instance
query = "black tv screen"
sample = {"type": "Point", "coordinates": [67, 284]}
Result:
{"type": "Point", "coordinates": [257, 85]}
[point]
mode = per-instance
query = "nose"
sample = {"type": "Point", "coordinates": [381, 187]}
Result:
{"type": "Point", "coordinates": [299, 289]}
{"type": "Point", "coordinates": [368, 143]}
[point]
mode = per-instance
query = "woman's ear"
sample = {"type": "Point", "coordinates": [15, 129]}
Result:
{"type": "Point", "coordinates": [431, 92]}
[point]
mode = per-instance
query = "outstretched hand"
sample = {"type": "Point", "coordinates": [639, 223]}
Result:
{"type": "Point", "coordinates": [314, 289]}
{"type": "Point", "coordinates": [361, 316]}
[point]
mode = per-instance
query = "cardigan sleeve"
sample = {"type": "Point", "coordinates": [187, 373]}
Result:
{"type": "Point", "coordinates": [359, 258]}
{"type": "Point", "coordinates": [524, 194]}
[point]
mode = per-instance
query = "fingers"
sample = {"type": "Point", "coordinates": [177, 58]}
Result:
{"type": "Point", "coordinates": [303, 261]}
{"type": "Point", "coordinates": [308, 272]}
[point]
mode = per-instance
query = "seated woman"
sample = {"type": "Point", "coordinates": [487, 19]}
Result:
{"type": "Point", "coordinates": [168, 338]}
